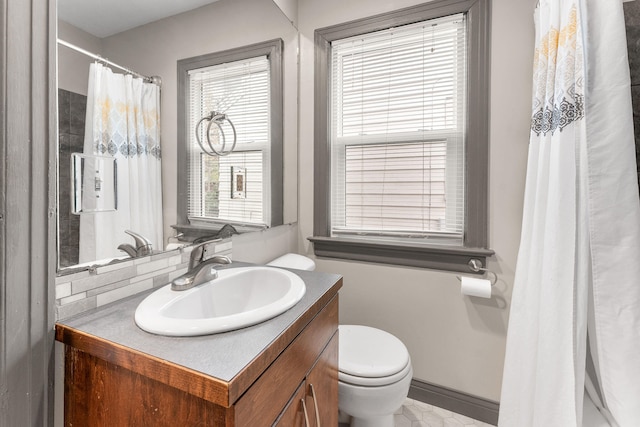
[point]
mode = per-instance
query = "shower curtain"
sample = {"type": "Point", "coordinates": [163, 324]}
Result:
{"type": "Point", "coordinates": [123, 121]}
{"type": "Point", "coordinates": [575, 310]}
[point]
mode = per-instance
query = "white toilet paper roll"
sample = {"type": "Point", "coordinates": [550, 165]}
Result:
{"type": "Point", "coordinates": [475, 287]}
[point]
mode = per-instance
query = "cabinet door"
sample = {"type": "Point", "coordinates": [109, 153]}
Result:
{"type": "Point", "coordinates": [262, 403]}
{"type": "Point", "coordinates": [322, 388]}
{"type": "Point", "coordinates": [293, 414]}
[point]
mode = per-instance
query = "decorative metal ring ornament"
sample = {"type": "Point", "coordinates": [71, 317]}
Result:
{"type": "Point", "coordinates": [218, 120]}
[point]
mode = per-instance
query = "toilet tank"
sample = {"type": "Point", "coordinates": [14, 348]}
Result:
{"type": "Point", "coordinates": [299, 262]}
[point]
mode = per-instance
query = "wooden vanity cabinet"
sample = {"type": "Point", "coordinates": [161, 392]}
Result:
{"type": "Point", "coordinates": [101, 392]}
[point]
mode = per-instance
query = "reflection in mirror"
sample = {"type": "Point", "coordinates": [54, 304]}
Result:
{"type": "Point", "coordinates": [93, 184]}
{"type": "Point", "coordinates": [152, 45]}
{"type": "Point", "coordinates": [122, 123]}
{"type": "Point", "coordinates": [251, 77]}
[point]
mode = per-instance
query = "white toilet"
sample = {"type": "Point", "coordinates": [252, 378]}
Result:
{"type": "Point", "coordinates": [374, 368]}
{"type": "Point", "coordinates": [374, 375]}
{"type": "Point", "coordinates": [299, 262]}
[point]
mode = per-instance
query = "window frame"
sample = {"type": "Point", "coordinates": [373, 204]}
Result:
{"type": "Point", "coordinates": [475, 240]}
{"type": "Point", "coordinates": [273, 50]}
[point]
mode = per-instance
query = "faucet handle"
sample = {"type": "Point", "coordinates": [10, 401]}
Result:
{"type": "Point", "coordinates": [199, 252]}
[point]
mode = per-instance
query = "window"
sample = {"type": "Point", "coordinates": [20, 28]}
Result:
{"type": "Point", "coordinates": [401, 123]}
{"type": "Point", "coordinates": [244, 187]}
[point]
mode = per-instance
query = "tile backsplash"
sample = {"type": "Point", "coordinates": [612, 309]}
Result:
{"type": "Point", "coordinates": [89, 289]}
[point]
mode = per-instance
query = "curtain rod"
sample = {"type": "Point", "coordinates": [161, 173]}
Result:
{"type": "Point", "coordinates": [99, 58]}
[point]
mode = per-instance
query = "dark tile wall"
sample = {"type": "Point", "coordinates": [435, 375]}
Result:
{"type": "Point", "coordinates": [71, 118]}
{"type": "Point", "coordinates": [632, 22]}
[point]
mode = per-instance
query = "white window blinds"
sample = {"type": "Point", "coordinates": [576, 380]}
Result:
{"type": "Point", "coordinates": [240, 90]}
{"type": "Point", "coordinates": [397, 132]}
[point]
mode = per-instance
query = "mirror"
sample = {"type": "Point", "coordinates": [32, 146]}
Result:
{"type": "Point", "coordinates": [149, 37]}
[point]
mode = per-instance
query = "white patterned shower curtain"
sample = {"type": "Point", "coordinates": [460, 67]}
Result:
{"type": "Point", "coordinates": [123, 121]}
{"type": "Point", "coordinates": [577, 286]}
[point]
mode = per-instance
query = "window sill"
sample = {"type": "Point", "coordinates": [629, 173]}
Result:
{"type": "Point", "coordinates": [435, 257]}
{"type": "Point", "coordinates": [196, 231]}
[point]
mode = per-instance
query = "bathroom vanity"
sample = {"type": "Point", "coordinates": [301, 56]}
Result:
{"type": "Point", "coordinates": [267, 374]}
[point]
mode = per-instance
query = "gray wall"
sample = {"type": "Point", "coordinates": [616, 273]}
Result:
{"type": "Point", "coordinates": [73, 67]}
{"type": "Point", "coordinates": [27, 212]}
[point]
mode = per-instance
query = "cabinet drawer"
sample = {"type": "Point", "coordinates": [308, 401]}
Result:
{"type": "Point", "coordinates": [264, 401]}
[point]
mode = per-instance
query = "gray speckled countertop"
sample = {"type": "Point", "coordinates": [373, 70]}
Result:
{"type": "Point", "coordinates": [222, 355]}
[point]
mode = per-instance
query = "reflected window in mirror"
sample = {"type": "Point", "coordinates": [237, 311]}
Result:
{"type": "Point", "coordinates": [230, 149]}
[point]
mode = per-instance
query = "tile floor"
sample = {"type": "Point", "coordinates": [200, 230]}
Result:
{"type": "Point", "coordinates": [417, 414]}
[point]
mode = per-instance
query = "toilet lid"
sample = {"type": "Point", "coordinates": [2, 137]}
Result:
{"type": "Point", "coordinates": [375, 382]}
{"type": "Point", "coordinates": [370, 353]}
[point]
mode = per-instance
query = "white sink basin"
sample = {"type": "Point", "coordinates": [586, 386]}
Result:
{"type": "Point", "coordinates": [239, 297]}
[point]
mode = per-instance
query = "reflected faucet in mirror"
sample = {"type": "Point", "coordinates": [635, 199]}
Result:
{"type": "Point", "coordinates": [143, 246]}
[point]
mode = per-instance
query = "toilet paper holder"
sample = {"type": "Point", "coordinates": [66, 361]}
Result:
{"type": "Point", "coordinates": [475, 265]}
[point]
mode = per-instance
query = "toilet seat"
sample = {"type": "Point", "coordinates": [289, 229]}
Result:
{"type": "Point", "coordinates": [374, 381]}
{"type": "Point", "coordinates": [371, 357]}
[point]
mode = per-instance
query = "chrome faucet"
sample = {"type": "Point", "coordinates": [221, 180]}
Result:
{"type": "Point", "coordinates": [143, 245]}
{"type": "Point", "coordinates": [200, 268]}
